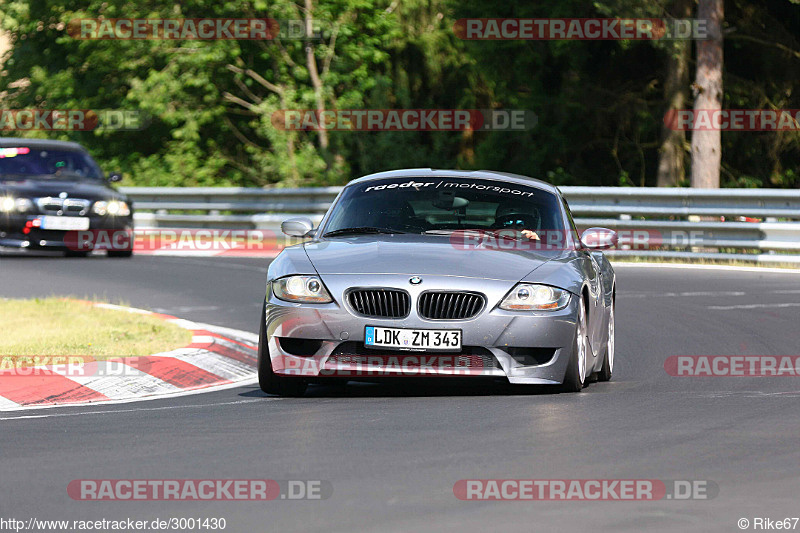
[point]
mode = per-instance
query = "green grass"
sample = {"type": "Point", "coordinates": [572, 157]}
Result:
{"type": "Point", "coordinates": [58, 326]}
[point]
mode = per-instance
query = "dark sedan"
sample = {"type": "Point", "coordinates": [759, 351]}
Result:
{"type": "Point", "coordinates": [52, 191]}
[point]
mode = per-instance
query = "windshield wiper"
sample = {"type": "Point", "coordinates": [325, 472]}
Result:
{"type": "Point", "coordinates": [67, 174]}
{"type": "Point", "coordinates": [505, 234]}
{"type": "Point", "coordinates": [449, 231]}
{"type": "Point", "coordinates": [499, 233]}
{"type": "Point", "coordinates": [361, 230]}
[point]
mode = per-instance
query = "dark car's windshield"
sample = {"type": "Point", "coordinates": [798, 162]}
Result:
{"type": "Point", "coordinates": [417, 205]}
{"type": "Point", "coordinates": [23, 161]}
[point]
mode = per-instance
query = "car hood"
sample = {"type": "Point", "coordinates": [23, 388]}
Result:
{"type": "Point", "coordinates": [421, 255]}
{"type": "Point", "coordinates": [75, 189]}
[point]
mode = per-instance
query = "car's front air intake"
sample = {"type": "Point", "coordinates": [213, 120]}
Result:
{"type": "Point", "coordinates": [449, 305]}
{"type": "Point", "coordinates": [380, 303]}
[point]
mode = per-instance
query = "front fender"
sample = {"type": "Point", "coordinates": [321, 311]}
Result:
{"type": "Point", "coordinates": [569, 272]}
{"type": "Point", "coordinates": [292, 260]}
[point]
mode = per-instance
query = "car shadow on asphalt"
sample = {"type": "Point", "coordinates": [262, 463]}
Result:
{"type": "Point", "coordinates": [429, 388]}
{"type": "Point", "coordinates": [6, 254]}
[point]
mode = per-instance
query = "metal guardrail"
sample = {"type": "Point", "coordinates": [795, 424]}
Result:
{"type": "Point", "coordinates": [677, 222]}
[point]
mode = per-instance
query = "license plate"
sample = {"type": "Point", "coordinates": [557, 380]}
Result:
{"type": "Point", "coordinates": [413, 339]}
{"type": "Point", "coordinates": [65, 223]}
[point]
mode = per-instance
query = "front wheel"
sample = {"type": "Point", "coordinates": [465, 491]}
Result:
{"type": "Point", "coordinates": [270, 382]}
{"type": "Point", "coordinates": [575, 375]}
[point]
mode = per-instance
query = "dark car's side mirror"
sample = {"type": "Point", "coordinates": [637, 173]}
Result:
{"type": "Point", "coordinates": [599, 238]}
{"type": "Point", "coordinates": [114, 177]}
{"type": "Point", "coordinates": [297, 227]}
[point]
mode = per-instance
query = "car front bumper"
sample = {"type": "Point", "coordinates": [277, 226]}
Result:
{"type": "Point", "coordinates": [327, 340]}
{"type": "Point", "coordinates": [13, 232]}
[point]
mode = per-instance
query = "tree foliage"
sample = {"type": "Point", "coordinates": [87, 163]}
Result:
{"type": "Point", "coordinates": [599, 103]}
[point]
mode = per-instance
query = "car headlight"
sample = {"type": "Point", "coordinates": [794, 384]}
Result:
{"type": "Point", "coordinates": [115, 208]}
{"type": "Point", "coordinates": [6, 204]}
{"type": "Point", "coordinates": [9, 204]}
{"type": "Point", "coordinates": [307, 289]}
{"type": "Point", "coordinates": [534, 297]}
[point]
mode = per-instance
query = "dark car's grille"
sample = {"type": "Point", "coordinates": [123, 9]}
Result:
{"type": "Point", "coordinates": [380, 303]}
{"type": "Point", "coordinates": [67, 206]}
{"type": "Point", "coordinates": [450, 305]}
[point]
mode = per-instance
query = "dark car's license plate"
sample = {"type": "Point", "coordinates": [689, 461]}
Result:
{"type": "Point", "coordinates": [64, 223]}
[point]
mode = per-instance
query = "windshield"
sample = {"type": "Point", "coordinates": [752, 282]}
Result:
{"type": "Point", "coordinates": [55, 164]}
{"type": "Point", "coordinates": [443, 205]}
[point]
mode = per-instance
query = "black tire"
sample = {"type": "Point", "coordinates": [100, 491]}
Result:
{"type": "Point", "coordinates": [608, 363]}
{"type": "Point", "coordinates": [572, 377]}
{"type": "Point", "coordinates": [75, 253]}
{"type": "Point", "coordinates": [120, 253]}
{"type": "Point", "coordinates": [267, 380]}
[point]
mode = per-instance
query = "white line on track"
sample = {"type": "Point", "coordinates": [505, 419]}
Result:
{"type": "Point", "coordinates": [752, 306]}
{"type": "Point", "coordinates": [680, 294]}
{"type": "Point", "coordinates": [116, 411]}
{"type": "Point", "coordinates": [734, 394]}
{"type": "Point", "coordinates": [185, 309]}
{"type": "Point", "coordinates": [639, 294]}
{"type": "Point", "coordinates": [224, 367]}
{"type": "Point", "coordinates": [108, 382]}
{"type": "Point", "coordinates": [235, 333]}
{"type": "Point", "coordinates": [215, 388]}
{"type": "Point", "coordinates": [731, 268]}
{"type": "Point", "coordinates": [6, 404]}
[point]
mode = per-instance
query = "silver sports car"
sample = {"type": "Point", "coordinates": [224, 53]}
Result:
{"type": "Point", "coordinates": [432, 273]}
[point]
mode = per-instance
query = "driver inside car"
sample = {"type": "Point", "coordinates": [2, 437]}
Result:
{"type": "Point", "coordinates": [516, 218]}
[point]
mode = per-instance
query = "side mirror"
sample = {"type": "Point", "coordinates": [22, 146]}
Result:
{"type": "Point", "coordinates": [599, 238]}
{"type": "Point", "coordinates": [297, 227]}
{"type": "Point", "coordinates": [114, 177]}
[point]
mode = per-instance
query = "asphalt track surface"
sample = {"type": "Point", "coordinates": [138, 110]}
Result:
{"type": "Point", "coordinates": [394, 452]}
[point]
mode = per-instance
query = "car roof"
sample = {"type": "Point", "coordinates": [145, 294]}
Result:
{"type": "Point", "coordinates": [39, 144]}
{"type": "Point", "coordinates": [468, 174]}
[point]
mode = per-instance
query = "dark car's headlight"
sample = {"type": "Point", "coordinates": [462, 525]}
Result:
{"type": "Point", "coordinates": [9, 204]}
{"type": "Point", "coordinates": [535, 297]}
{"type": "Point", "coordinates": [307, 289]}
{"type": "Point", "coordinates": [115, 208]}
